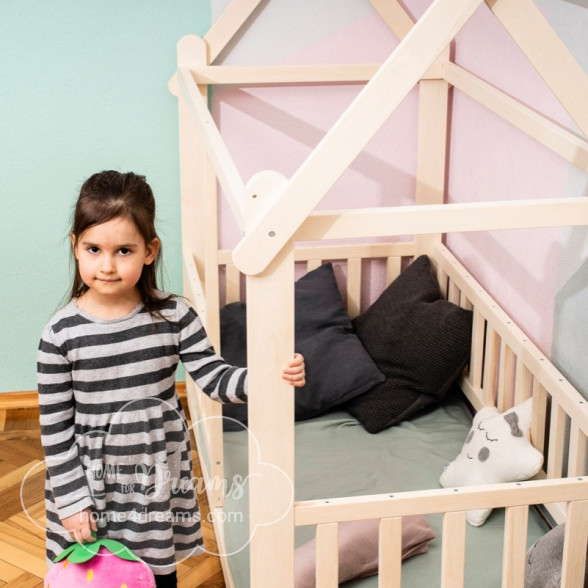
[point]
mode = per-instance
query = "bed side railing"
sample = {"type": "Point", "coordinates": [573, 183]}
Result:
{"type": "Point", "coordinates": [506, 367]}
{"type": "Point", "coordinates": [352, 257]}
{"type": "Point", "coordinates": [452, 504]}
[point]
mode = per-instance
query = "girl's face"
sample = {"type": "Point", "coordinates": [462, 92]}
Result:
{"type": "Point", "coordinates": [111, 257]}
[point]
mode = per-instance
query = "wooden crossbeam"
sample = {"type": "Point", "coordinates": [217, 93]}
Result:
{"type": "Point", "coordinates": [551, 135]}
{"type": "Point", "coordinates": [294, 74]}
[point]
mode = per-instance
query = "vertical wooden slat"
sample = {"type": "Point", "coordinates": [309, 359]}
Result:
{"type": "Point", "coordinates": [577, 452]}
{"type": "Point", "coordinates": [353, 287]}
{"type": "Point", "coordinates": [194, 165]}
{"type": "Point", "coordinates": [443, 281]}
{"type": "Point", "coordinates": [556, 440]}
{"type": "Point", "coordinates": [491, 366]}
{"type": "Point", "coordinates": [477, 350]}
{"type": "Point", "coordinates": [453, 294]}
{"type": "Point", "coordinates": [555, 453]}
{"type": "Point", "coordinates": [312, 264]}
{"type": "Point", "coordinates": [393, 267]}
{"type": "Point", "coordinates": [575, 542]}
{"type": "Point", "coordinates": [465, 302]}
{"type": "Point", "coordinates": [523, 381]}
{"type": "Point", "coordinates": [431, 150]}
{"type": "Point", "coordinates": [539, 418]}
{"type": "Point", "coordinates": [232, 283]}
{"type": "Point", "coordinates": [453, 556]}
{"type": "Point", "coordinates": [327, 555]}
{"type": "Point", "coordinates": [390, 553]}
{"type": "Point", "coordinates": [506, 375]}
{"type": "Point", "coordinates": [515, 546]}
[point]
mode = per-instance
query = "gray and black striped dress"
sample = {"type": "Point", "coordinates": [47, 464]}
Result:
{"type": "Point", "coordinates": [113, 429]}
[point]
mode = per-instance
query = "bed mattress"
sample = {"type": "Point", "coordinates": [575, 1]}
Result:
{"type": "Point", "coordinates": [336, 457]}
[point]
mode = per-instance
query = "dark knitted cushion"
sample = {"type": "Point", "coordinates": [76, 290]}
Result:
{"type": "Point", "coordinates": [338, 368]}
{"type": "Point", "coordinates": [418, 340]}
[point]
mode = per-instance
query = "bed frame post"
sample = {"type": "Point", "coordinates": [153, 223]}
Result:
{"type": "Point", "coordinates": [199, 192]}
{"type": "Point", "coordinates": [432, 150]}
{"type": "Point", "coordinates": [200, 247]}
{"type": "Point", "coordinates": [270, 335]}
{"type": "Point", "coordinates": [432, 127]}
{"type": "Point", "coordinates": [194, 165]}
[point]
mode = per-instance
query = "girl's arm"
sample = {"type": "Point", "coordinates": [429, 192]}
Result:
{"type": "Point", "coordinates": [222, 382]}
{"type": "Point", "coordinates": [56, 416]}
{"type": "Point", "coordinates": [217, 379]}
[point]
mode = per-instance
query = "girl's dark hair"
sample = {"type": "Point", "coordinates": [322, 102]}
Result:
{"type": "Point", "coordinates": [110, 194]}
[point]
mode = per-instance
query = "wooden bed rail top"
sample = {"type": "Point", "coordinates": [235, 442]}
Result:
{"type": "Point", "coordinates": [333, 510]}
{"type": "Point", "coordinates": [545, 372]}
{"type": "Point", "coordinates": [295, 74]}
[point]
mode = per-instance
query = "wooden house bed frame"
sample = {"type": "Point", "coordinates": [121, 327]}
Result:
{"type": "Point", "coordinates": [276, 217]}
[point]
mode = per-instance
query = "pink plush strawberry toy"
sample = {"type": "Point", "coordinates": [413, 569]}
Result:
{"type": "Point", "coordinates": [103, 564]}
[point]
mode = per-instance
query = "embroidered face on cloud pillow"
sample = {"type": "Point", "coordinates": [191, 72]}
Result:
{"type": "Point", "coordinates": [497, 449]}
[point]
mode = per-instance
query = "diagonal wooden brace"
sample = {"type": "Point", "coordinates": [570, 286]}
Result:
{"type": "Point", "coordinates": [354, 129]}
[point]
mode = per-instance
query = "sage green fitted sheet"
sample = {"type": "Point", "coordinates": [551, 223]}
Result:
{"type": "Point", "coordinates": [336, 457]}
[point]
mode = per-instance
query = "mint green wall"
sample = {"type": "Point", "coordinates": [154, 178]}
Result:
{"type": "Point", "coordinates": [83, 87]}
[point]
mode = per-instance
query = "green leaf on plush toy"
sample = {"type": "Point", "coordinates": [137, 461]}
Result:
{"type": "Point", "coordinates": [118, 549]}
{"type": "Point", "coordinates": [82, 552]}
{"type": "Point", "coordinates": [66, 552]}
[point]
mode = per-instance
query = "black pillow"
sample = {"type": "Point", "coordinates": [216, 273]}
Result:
{"type": "Point", "coordinates": [233, 334]}
{"type": "Point", "coordinates": [338, 368]}
{"type": "Point", "coordinates": [418, 340]}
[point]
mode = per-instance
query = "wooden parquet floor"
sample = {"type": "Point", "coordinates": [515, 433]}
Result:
{"type": "Point", "coordinates": [22, 529]}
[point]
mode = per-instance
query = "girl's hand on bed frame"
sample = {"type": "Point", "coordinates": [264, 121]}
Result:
{"type": "Point", "coordinates": [294, 372]}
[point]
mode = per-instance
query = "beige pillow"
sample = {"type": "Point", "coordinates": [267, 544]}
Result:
{"type": "Point", "coordinates": [358, 549]}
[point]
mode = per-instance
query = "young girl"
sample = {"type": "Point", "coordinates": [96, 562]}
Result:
{"type": "Point", "coordinates": [112, 427]}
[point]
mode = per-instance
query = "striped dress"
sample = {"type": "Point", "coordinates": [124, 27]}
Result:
{"type": "Point", "coordinates": [113, 430]}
